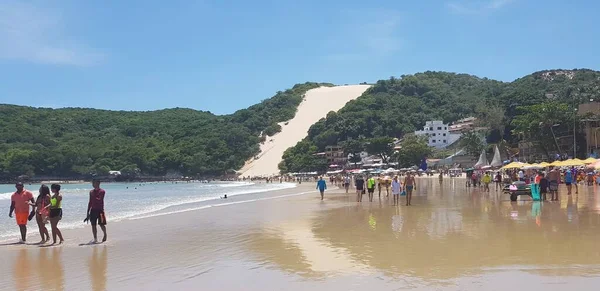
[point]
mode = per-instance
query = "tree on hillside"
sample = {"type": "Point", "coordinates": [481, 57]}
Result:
{"type": "Point", "coordinates": [472, 142]}
{"type": "Point", "coordinates": [302, 158]}
{"type": "Point", "coordinates": [352, 149]}
{"type": "Point", "coordinates": [381, 146]}
{"type": "Point", "coordinates": [412, 150]}
{"type": "Point", "coordinates": [540, 122]}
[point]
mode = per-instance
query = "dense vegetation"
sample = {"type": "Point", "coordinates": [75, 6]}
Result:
{"type": "Point", "coordinates": [75, 142]}
{"type": "Point", "coordinates": [395, 107]}
{"type": "Point", "coordinates": [81, 142]}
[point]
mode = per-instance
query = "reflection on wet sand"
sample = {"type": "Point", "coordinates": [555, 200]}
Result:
{"type": "Point", "coordinates": [451, 232]}
{"type": "Point", "coordinates": [21, 270]}
{"type": "Point", "coordinates": [294, 247]}
{"type": "Point", "coordinates": [51, 269]}
{"type": "Point", "coordinates": [97, 265]}
{"type": "Point", "coordinates": [464, 231]}
{"type": "Point", "coordinates": [38, 269]}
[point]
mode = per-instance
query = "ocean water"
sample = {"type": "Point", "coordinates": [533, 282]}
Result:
{"type": "Point", "coordinates": [133, 200]}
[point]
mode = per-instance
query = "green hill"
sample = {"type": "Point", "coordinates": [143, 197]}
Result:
{"type": "Point", "coordinates": [394, 107]}
{"type": "Point", "coordinates": [75, 142]}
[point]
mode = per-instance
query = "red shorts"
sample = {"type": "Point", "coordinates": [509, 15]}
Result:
{"type": "Point", "coordinates": [22, 218]}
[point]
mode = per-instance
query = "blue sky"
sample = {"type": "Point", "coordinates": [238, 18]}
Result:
{"type": "Point", "coordinates": [222, 56]}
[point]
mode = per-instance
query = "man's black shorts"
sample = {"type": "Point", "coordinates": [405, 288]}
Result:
{"type": "Point", "coordinates": [97, 217]}
{"type": "Point", "coordinates": [371, 190]}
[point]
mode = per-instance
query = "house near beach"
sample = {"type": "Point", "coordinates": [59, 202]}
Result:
{"type": "Point", "coordinates": [438, 134]}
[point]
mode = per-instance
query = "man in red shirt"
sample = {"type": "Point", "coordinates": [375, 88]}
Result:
{"type": "Point", "coordinates": [19, 203]}
{"type": "Point", "coordinates": [95, 211]}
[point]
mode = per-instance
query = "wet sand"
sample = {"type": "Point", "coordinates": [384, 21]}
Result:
{"type": "Point", "coordinates": [452, 238]}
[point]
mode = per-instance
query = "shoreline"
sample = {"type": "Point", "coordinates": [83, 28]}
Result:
{"type": "Point", "coordinates": [245, 196]}
{"type": "Point", "coordinates": [290, 239]}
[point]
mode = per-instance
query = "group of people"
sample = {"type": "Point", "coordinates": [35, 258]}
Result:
{"type": "Point", "coordinates": [484, 179]}
{"type": "Point", "coordinates": [363, 187]}
{"type": "Point", "coordinates": [547, 182]}
{"type": "Point", "coordinates": [47, 207]}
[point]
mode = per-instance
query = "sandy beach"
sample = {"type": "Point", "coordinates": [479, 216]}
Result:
{"type": "Point", "coordinates": [453, 238]}
{"type": "Point", "coordinates": [317, 103]}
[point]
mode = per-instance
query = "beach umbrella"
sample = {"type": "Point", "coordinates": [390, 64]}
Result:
{"type": "Point", "coordinates": [544, 164]}
{"type": "Point", "coordinates": [556, 164]}
{"type": "Point", "coordinates": [590, 161]}
{"type": "Point", "coordinates": [572, 162]}
{"type": "Point", "coordinates": [514, 165]}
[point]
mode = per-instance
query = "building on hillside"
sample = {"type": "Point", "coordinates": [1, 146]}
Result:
{"type": "Point", "coordinates": [463, 125]}
{"type": "Point", "coordinates": [335, 155]}
{"type": "Point", "coordinates": [372, 161]}
{"type": "Point", "coordinates": [438, 134]}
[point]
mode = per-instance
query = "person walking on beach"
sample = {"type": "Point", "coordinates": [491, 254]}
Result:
{"type": "Point", "coordinates": [321, 186]}
{"type": "Point", "coordinates": [387, 184]}
{"type": "Point", "coordinates": [379, 185]}
{"type": "Point", "coordinates": [569, 181]}
{"type": "Point", "coordinates": [553, 177]}
{"type": "Point", "coordinates": [487, 179]}
{"type": "Point", "coordinates": [347, 183]}
{"type": "Point", "coordinates": [95, 210]}
{"type": "Point", "coordinates": [574, 172]}
{"type": "Point", "coordinates": [41, 213]}
{"type": "Point", "coordinates": [410, 184]}
{"type": "Point", "coordinates": [498, 181]}
{"type": "Point", "coordinates": [19, 203]}
{"type": "Point", "coordinates": [544, 183]}
{"type": "Point", "coordinates": [396, 189]}
{"type": "Point", "coordinates": [371, 187]}
{"type": "Point", "coordinates": [360, 187]}
{"type": "Point", "coordinates": [56, 213]}
{"type": "Point", "coordinates": [473, 179]}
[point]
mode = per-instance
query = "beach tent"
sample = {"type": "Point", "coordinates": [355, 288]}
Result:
{"type": "Point", "coordinates": [482, 162]}
{"type": "Point", "coordinates": [514, 165]}
{"type": "Point", "coordinates": [496, 160]}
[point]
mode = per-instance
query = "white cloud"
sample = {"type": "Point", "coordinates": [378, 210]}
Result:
{"type": "Point", "coordinates": [34, 34]}
{"type": "Point", "coordinates": [470, 8]}
{"type": "Point", "coordinates": [366, 35]}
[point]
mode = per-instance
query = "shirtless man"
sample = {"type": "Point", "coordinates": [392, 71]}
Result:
{"type": "Point", "coordinates": [410, 185]}
{"type": "Point", "coordinates": [553, 177]}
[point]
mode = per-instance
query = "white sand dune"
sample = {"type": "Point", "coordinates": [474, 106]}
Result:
{"type": "Point", "coordinates": [316, 104]}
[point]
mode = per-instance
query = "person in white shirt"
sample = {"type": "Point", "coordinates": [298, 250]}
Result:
{"type": "Point", "coordinates": [347, 183]}
{"type": "Point", "coordinates": [521, 176]}
{"type": "Point", "coordinates": [396, 189]}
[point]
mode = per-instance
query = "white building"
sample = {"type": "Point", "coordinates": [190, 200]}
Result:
{"type": "Point", "coordinates": [438, 134]}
